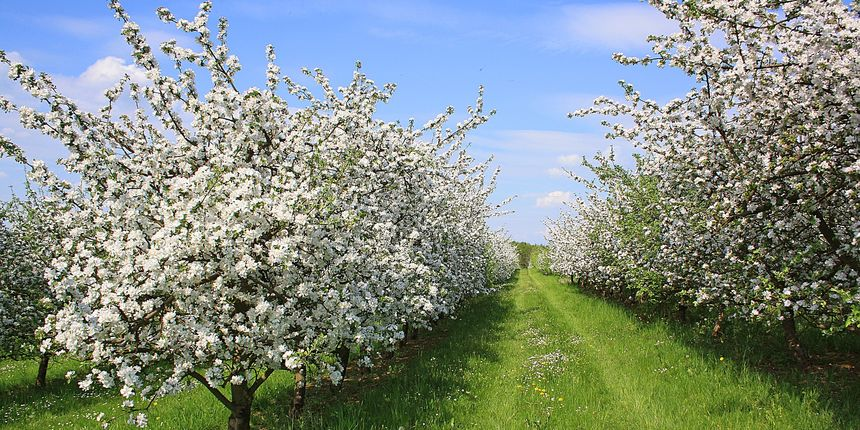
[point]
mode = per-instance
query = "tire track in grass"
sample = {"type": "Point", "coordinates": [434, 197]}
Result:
{"type": "Point", "coordinates": [621, 403]}
{"type": "Point", "coordinates": [508, 395]}
{"type": "Point", "coordinates": [634, 365]}
{"type": "Point", "coordinates": [497, 402]}
{"type": "Point", "coordinates": [654, 381]}
{"type": "Point", "coordinates": [587, 400]}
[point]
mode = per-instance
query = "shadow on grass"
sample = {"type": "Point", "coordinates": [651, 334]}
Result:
{"type": "Point", "coordinates": [21, 399]}
{"type": "Point", "coordinates": [830, 382]}
{"type": "Point", "coordinates": [410, 389]}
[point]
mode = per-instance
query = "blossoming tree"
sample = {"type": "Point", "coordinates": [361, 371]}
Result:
{"type": "Point", "coordinates": [225, 235]}
{"type": "Point", "coordinates": [503, 257]}
{"type": "Point", "coordinates": [757, 167]}
{"type": "Point", "coordinates": [27, 236]}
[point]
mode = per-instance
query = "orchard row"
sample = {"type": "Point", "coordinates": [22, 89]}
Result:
{"type": "Point", "coordinates": [744, 201]}
{"type": "Point", "coordinates": [219, 235]}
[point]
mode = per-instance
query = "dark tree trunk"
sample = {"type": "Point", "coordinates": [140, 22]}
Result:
{"type": "Point", "coordinates": [718, 325]}
{"type": "Point", "coordinates": [41, 377]}
{"type": "Point", "coordinates": [240, 411]}
{"type": "Point", "coordinates": [343, 358]}
{"type": "Point", "coordinates": [789, 328]}
{"type": "Point", "coordinates": [682, 312]}
{"type": "Point", "coordinates": [299, 394]}
{"type": "Point", "coordinates": [406, 332]}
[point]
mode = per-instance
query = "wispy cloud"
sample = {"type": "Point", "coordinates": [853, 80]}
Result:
{"type": "Point", "coordinates": [616, 26]}
{"type": "Point", "coordinates": [156, 37]}
{"type": "Point", "coordinates": [553, 198]}
{"type": "Point", "coordinates": [611, 25]}
{"type": "Point", "coordinates": [15, 57]}
{"type": "Point", "coordinates": [570, 159]}
{"type": "Point", "coordinates": [556, 171]}
{"type": "Point", "coordinates": [105, 32]}
{"type": "Point", "coordinates": [415, 12]}
{"type": "Point", "coordinates": [77, 27]}
{"type": "Point", "coordinates": [392, 11]}
{"type": "Point", "coordinates": [527, 154]}
{"type": "Point", "coordinates": [551, 142]}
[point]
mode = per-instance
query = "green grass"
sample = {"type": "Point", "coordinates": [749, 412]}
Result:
{"type": "Point", "coordinates": [539, 354]}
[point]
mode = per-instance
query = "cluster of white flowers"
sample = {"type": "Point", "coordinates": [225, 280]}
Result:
{"type": "Point", "coordinates": [503, 258]}
{"type": "Point", "coordinates": [754, 210]}
{"type": "Point", "coordinates": [256, 235]}
{"type": "Point", "coordinates": [542, 261]}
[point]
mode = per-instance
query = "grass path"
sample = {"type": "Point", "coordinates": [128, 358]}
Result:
{"type": "Point", "coordinates": [537, 355]}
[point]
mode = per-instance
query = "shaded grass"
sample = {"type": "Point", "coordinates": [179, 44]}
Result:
{"type": "Point", "coordinates": [62, 405]}
{"type": "Point", "coordinates": [831, 381]}
{"type": "Point", "coordinates": [536, 355]}
{"type": "Point", "coordinates": [428, 384]}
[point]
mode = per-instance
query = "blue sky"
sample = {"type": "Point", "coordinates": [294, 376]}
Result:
{"type": "Point", "coordinates": [538, 60]}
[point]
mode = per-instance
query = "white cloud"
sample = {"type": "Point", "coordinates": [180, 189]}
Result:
{"type": "Point", "coordinates": [556, 171]}
{"type": "Point", "coordinates": [86, 89]}
{"type": "Point", "coordinates": [156, 37]}
{"type": "Point", "coordinates": [108, 71]}
{"type": "Point", "coordinates": [423, 13]}
{"type": "Point", "coordinates": [527, 154]}
{"type": "Point", "coordinates": [3, 174]}
{"type": "Point", "coordinates": [570, 159]}
{"type": "Point", "coordinates": [554, 143]}
{"type": "Point", "coordinates": [614, 26]}
{"type": "Point", "coordinates": [532, 154]}
{"type": "Point", "coordinates": [109, 31]}
{"type": "Point", "coordinates": [15, 57]}
{"type": "Point", "coordinates": [13, 132]}
{"type": "Point", "coordinates": [553, 198]}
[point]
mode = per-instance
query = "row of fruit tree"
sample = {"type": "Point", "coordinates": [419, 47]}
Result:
{"type": "Point", "coordinates": [218, 235]}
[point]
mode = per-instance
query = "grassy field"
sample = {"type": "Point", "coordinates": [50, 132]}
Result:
{"type": "Point", "coordinates": [537, 355]}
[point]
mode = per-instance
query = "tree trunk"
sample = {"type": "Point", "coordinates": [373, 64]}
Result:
{"type": "Point", "coordinates": [343, 358]}
{"type": "Point", "coordinates": [789, 328]}
{"type": "Point", "coordinates": [42, 376]}
{"type": "Point", "coordinates": [240, 412]}
{"type": "Point", "coordinates": [718, 325]}
{"type": "Point", "coordinates": [682, 312]}
{"type": "Point", "coordinates": [299, 394]}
